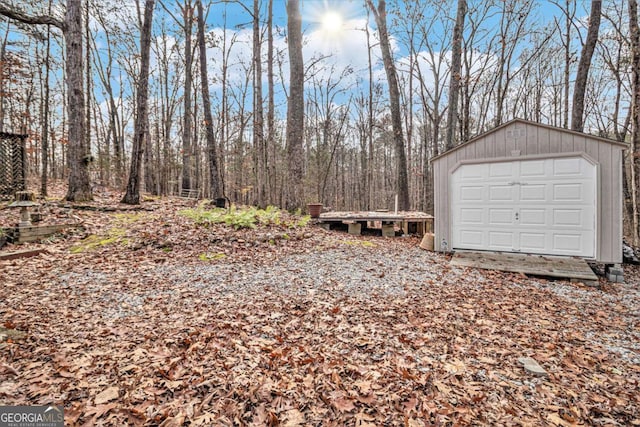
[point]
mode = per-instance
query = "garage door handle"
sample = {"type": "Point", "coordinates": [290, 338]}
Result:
{"type": "Point", "coordinates": [517, 216]}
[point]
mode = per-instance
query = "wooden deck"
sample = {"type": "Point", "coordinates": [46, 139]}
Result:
{"type": "Point", "coordinates": [575, 269]}
{"type": "Point", "coordinates": [411, 222]}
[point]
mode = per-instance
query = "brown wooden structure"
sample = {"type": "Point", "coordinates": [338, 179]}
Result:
{"type": "Point", "coordinates": [13, 164]}
{"type": "Point", "coordinates": [410, 222]}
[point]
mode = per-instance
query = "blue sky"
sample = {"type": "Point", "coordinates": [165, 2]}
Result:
{"type": "Point", "coordinates": [343, 52]}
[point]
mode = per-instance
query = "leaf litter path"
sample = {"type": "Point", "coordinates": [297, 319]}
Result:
{"type": "Point", "coordinates": [327, 330]}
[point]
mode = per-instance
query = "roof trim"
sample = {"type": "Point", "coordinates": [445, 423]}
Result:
{"type": "Point", "coordinates": [528, 122]}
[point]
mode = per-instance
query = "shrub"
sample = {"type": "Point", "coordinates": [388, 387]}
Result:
{"type": "Point", "coordinates": [241, 217]}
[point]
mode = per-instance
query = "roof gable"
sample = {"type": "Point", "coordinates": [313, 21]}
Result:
{"type": "Point", "coordinates": [527, 122]}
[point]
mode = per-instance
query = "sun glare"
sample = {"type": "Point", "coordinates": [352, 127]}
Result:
{"type": "Point", "coordinates": [332, 22]}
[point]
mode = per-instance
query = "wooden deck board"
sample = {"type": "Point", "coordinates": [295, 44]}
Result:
{"type": "Point", "coordinates": [375, 216]}
{"type": "Point", "coordinates": [539, 265]}
{"type": "Point", "coordinates": [411, 222]}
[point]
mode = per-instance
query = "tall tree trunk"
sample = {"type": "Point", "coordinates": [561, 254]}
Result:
{"type": "Point", "coordinates": [88, 79]}
{"type": "Point", "coordinates": [295, 108]}
{"type": "Point", "coordinates": [635, 110]}
{"type": "Point", "coordinates": [270, 143]}
{"type": "Point", "coordinates": [214, 188]}
{"type": "Point", "coordinates": [454, 85]}
{"type": "Point", "coordinates": [79, 156]}
{"type": "Point", "coordinates": [577, 111]}
{"type": "Point", "coordinates": [260, 162]}
{"type": "Point", "coordinates": [402, 179]}
{"type": "Point", "coordinates": [187, 162]}
{"type": "Point", "coordinates": [369, 169]}
{"type": "Point", "coordinates": [3, 74]}
{"type": "Point", "coordinates": [45, 119]}
{"type": "Point", "coordinates": [132, 195]}
{"type": "Point", "coordinates": [567, 68]}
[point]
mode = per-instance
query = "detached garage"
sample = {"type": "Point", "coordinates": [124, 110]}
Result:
{"type": "Point", "coordinates": [530, 188]}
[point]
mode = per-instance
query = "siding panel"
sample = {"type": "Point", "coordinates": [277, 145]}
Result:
{"type": "Point", "coordinates": [529, 144]}
{"type": "Point", "coordinates": [501, 143]}
{"type": "Point", "coordinates": [566, 143]}
{"type": "Point", "coordinates": [491, 145]}
{"type": "Point", "coordinates": [606, 200]}
{"type": "Point", "coordinates": [543, 140]}
{"type": "Point", "coordinates": [591, 148]}
{"type": "Point", "coordinates": [579, 143]}
{"type": "Point", "coordinates": [555, 141]}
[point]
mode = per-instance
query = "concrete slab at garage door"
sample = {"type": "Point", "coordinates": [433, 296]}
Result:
{"type": "Point", "coordinates": [541, 206]}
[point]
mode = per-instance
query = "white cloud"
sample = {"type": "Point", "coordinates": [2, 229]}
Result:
{"type": "Point", "coordinates": [348, 50]}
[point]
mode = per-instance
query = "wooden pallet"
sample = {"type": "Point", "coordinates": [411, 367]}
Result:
{"type": "Point", "coordinates": [575, 269]}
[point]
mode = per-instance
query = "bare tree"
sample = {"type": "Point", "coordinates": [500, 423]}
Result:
{"type": "Point", "coordinates": [45, 118]}
{"type": "Point", "coordinates": [79, 157]}
{"type": "Point", "coordinates": [569, 12]}
{"type": "Point", "coordinates": [186, 24]}
{"type": "Point", "coordinates": [402, 184]}
{"type": "Point", "coordinates": [114, 141]}
{"type": "Point", "coordinates": [577, 110]}
{"type": "Point", "coordinates": [295, 108]}
{"type": "Point", "coordinates": [270, 141]}
{"type": "Point", "coordinates": [187, 155]}
{"type": "Point", "coordinates": [212, 154]}
{"type": "Point", "coordinates": [132, 195]}
{"type": "Point", "coordinates": [260, 152]}
{"type": "Point", "coordinates": [513, 28]}
{"type": "Point", "coordinates": [455, 77]}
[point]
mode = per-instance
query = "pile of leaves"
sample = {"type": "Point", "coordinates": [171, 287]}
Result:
{"type": "Point", "coordinates": [158, 316]}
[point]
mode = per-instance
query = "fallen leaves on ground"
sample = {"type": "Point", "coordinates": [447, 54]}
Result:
{"type": "Point", "coordinates": [303, 327]}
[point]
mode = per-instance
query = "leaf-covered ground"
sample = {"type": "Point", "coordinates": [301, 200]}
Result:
{"type": "Point", "coordinates": [143, 318]}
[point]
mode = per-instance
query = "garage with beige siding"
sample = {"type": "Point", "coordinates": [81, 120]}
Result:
{"type": "Point", "coordinates": [530, 188]}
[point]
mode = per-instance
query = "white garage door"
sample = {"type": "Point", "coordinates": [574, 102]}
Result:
{"type": "Point", "coordinates": [532, 206]}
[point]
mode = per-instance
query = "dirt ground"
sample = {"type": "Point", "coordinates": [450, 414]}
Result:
{"type": "Point", "coordinates": [142, 317]}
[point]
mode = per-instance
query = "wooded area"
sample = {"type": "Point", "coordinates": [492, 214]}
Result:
{"type": "Point", "coordinates": [244, 107]}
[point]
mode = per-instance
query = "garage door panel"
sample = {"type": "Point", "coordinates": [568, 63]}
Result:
{"type": "Point", "coordinates": [470, 193]}
{"type": "Point", "coordinates": [533, 168]}
{"type": "Point", "coordinates": [533, 217]}
{"type": "Point", "coordinates": [568, 167]}
{"type": "Point", "coordinates": [472, 216]}
{"type": "Point", "coordinates": [568, 192]}
{"type": "Point", "coordinates": [501, 240]}
{"type": "Point", "coordinates": [572, 218]}
{"type": "Point", "coordinates": [533, 193]}
{"type": "Point", "coordinates": [534, 206]}
{"type": "Point", "coordinates": [568, 243]}
{"type": "Point", "coordinates": [472, 239]}
{"type": "Point", "coordinates": [501, 170]}
{"type": "Point", "coordinates": [533, 242]}
{"type": "Point", "coordinates": [474, 172]}
{"type": "Point", "coordinates": [501, 216]}
{"type": "Point", "coordinates": [501, 193]}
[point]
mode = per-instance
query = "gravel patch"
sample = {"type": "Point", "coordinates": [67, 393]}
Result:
{"type": "Point", "coordinates": [361, 270]}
